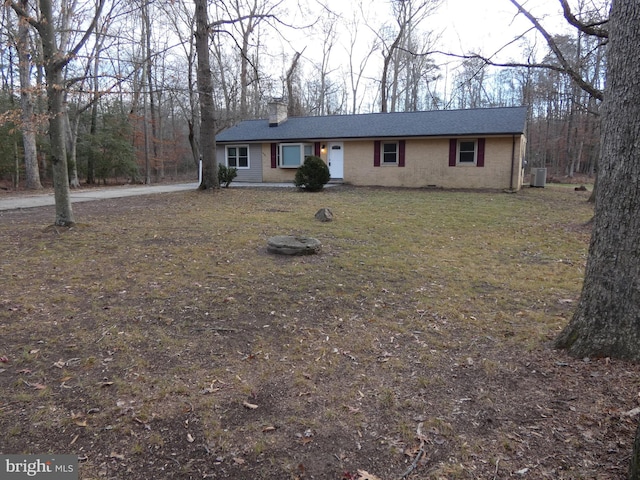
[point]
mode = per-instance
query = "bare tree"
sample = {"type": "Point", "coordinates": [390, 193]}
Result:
{"type": "Point", "coordinates": [356, 69]}
{"type": "Point", "coordinates": [28, 119]}
{"type": "Point", "coordinates": [470, 86]}
{"type": "Point", "coordinates": [55, 61]}
{"type": "Point", "coordinates": [249, 14]}
{"type": "Point", "coordinates": [407, 14]}
{"type": "Point", "coordinates": [328, 33]}
{"type": "Point", "coordinates": [294, 106]}
{"type": "Point", "coordinates": [205, 94]}
{"type": "Point", "coordinates": [183, 23]}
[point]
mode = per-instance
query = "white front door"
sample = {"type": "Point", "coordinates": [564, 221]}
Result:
{"type": "Point", "coordinates": [336, 160]}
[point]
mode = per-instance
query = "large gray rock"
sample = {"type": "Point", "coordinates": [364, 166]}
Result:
{"type": "Point", "coordinates": [293, 245]}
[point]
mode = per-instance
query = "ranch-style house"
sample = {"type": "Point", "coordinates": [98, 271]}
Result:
{"type": "Point", "coordinates": [475, 148]}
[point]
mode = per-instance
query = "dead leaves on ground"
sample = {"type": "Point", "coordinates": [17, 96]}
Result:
{"type": "Point", "coordinates": [360, 475]}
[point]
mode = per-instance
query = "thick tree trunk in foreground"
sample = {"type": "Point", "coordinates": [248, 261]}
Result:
{"type": "Point", "coordinates": [634, 470]}
{"type": "Point", "coordinates": [607, 319]}
{"type": "Point", "coordinates": [55, 96]}
{"type": "Point", "coordinates": [205, 93]}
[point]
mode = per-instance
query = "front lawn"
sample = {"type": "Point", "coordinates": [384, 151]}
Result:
{"type": "Point", "coordinates": [159, 338]}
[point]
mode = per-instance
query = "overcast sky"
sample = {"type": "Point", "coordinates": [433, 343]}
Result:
{"type": "Point", "coordinates": [488, 25]}
{"type": "Point", "coordinates": [481, 26]}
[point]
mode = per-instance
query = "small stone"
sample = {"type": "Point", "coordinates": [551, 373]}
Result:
{"type": "Point", "coordinates": [324, 215]}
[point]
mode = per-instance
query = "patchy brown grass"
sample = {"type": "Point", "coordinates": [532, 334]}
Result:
{"type": "Point", "coordinates": [159, 339]}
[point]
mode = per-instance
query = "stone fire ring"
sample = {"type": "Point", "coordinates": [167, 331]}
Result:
{"type": "Point", "coordinates": [293, 245]}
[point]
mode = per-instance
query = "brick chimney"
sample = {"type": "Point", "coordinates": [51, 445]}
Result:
{"type": "Point", "coordinates": [277, 112]}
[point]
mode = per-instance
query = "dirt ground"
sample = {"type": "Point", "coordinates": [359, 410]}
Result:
{"type": "Point", "coordinates": [207, 376]}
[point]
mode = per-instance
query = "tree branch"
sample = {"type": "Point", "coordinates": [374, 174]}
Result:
{"type": "Point", "coordinates": [566, 67]}
{"type": "Point", "coordinates": [594, 28]}
{"type": "Point", "coordinates": [22, 13]}
{"type": "Point", "coordinates": [73, 52]}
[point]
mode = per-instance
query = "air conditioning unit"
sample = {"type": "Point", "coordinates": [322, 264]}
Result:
{"type": "Point", "coordinates": [538, 177]}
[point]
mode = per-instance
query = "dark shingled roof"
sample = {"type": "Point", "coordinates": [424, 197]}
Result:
{"type": "Point", "coordinates": [437, 123]}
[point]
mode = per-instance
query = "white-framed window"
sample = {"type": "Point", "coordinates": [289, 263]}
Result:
{"type": "Point", "coordinates": [467, 152]}
{"type": "Point", "coordinates": [238, 156]}
{"type": "Point", "coordinates": [389, 153]}
{"type": "Point", "coordinates": [292, 155]}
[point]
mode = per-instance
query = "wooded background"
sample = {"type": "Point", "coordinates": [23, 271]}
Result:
{"type": "Point", "coordinates": [131, 103]}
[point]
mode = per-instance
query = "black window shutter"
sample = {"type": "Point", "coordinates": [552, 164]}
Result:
{"type": "Point", "coordinates": [401, 150]}
{"type": "Point", "coordinates": [480, 158]}
{"type": "Point", "coordinates": [274, 155]}
{"type": "Point", "coordinates": [316, 149]}
{"type": "Point", "coordinates": [376, 153]}
{"type": "Point", "coordinates": [453, 144]}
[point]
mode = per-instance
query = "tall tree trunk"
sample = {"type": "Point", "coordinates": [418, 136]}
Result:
{"type": "Point", "coordinates": [55, 97]}
{"type": "Point", "coordinates": [205, 89]}
{"type": "Point", "coordinates": [93, 129]}
{"type": "Point", "coordinates": [72, 157]}
{"type": "Point", "coordinates": [607, 319]}
{"type": "Point", "coordinates": [32, 172]}
{"type": "Point", "coordinates": [193, 122]}
{"type": "Point", "coordinates": [294, 107]}
{"type": "Point", "coordinates": [244, 73]}
{"type": "Point", "coordinates": [384, 78]}
{"type": "Point", "coordinates": [634, 468]}
{"type": "Point", "coordinates": [152, 99]}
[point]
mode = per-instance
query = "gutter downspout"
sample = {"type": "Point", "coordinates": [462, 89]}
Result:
{"type": "Point", "coordinates": [513, 159]}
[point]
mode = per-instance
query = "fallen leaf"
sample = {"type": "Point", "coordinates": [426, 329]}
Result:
{"type": "Point", "coordinates": [38, 386]}
{"type": "Point", "coordinates": [59, 364]}
{"type": "Point", "coordinates": [105, 384]}
{"type": "Point", "coordinates": [250, 406]}
{"type": "Point", "coordinates": [79, 419]}
{"type": "Point", "coordinates": [269, 428]}
{"type": "Point", "coordinates": [34, 351]}
{"type": "Point", "coordinates": [117, 456]}
{"type": "Point", "coordinates": [364, 475]}
{"type": "Point", "coordinates": [412, 451]}
{"type": "Point", "coordinates": [239, 461]}
{"type": "Point", "coordinates": [4, 359]}
{"type": "Point", "coordinates": [190, 438]}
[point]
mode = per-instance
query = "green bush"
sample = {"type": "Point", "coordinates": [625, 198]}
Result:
{"type": "Point", "coordinates": [312, 175]}
{"type": "Point", "coordinates": [226, 175]}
